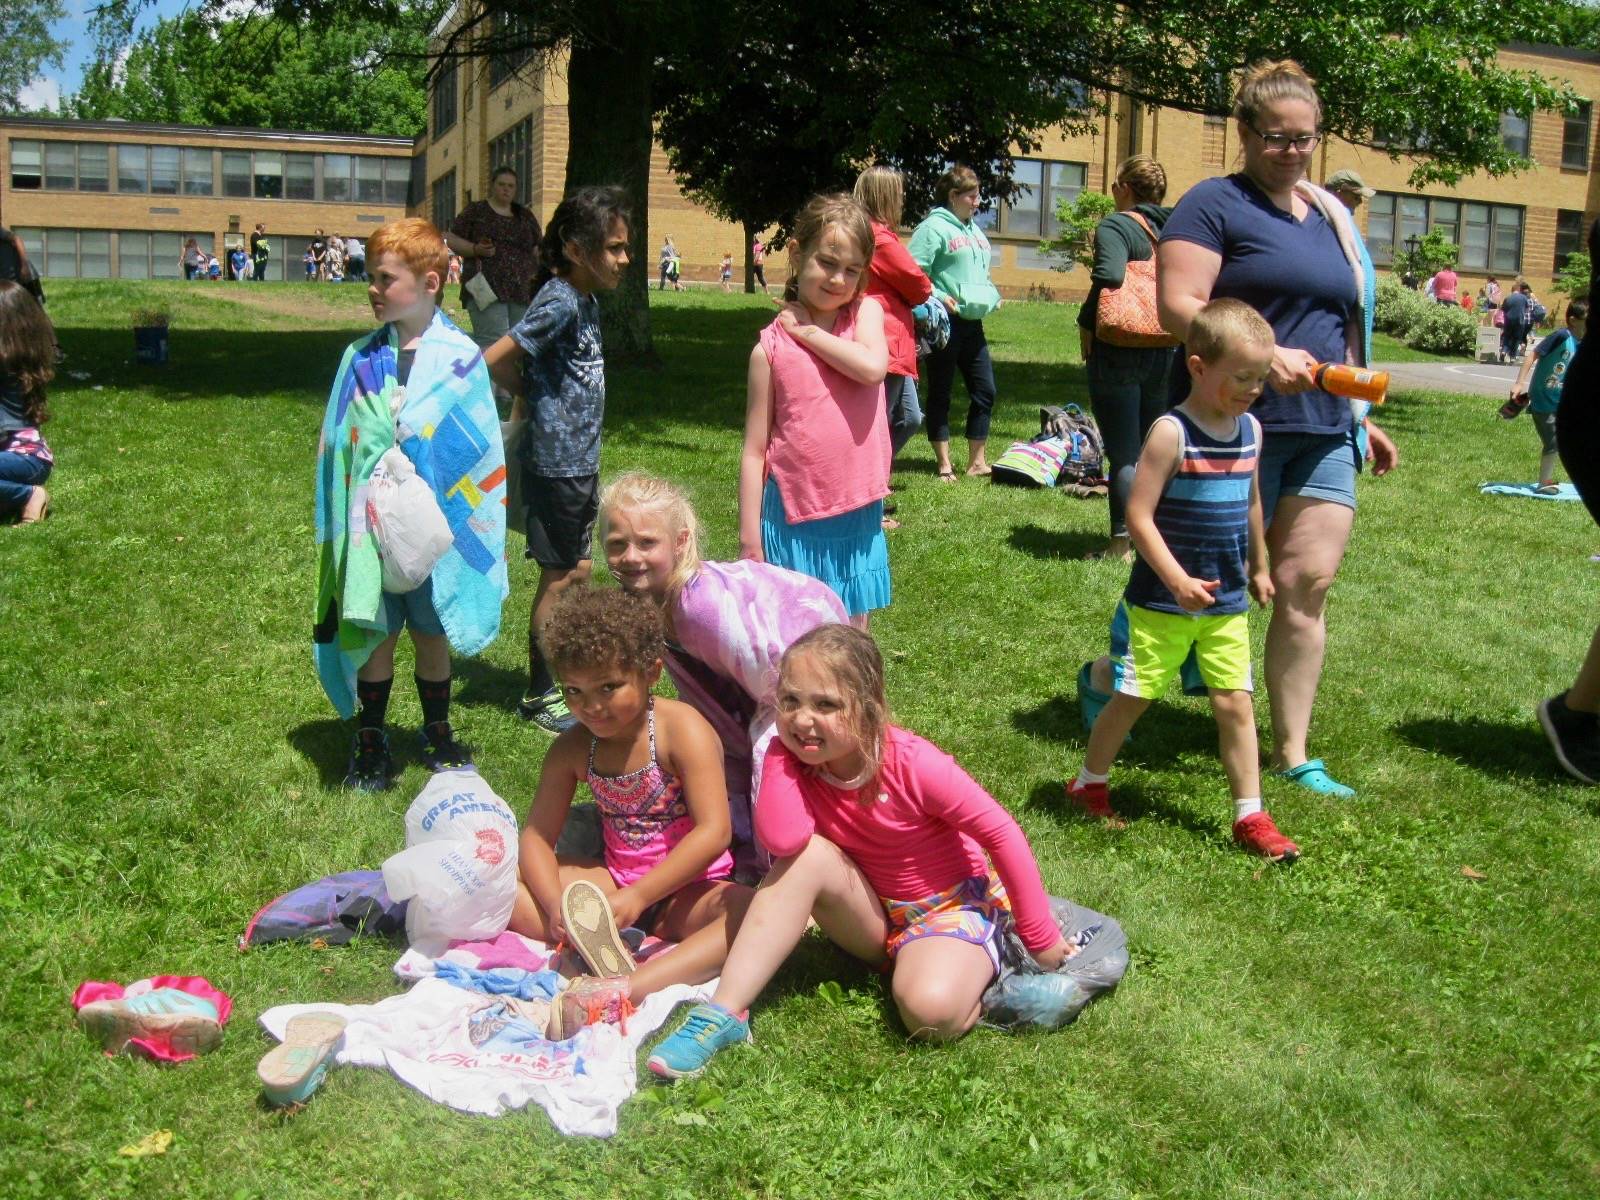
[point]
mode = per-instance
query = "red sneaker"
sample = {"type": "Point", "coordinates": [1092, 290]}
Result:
{"type": "Point", "coordinates": [1257, 834]}
{"type": "Point", "coordinates": [1092, 798]}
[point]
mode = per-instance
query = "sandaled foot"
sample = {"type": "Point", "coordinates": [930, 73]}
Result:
{"type": "Point", "coordinates": [980, 469]}
{"type": "Point", "coordinates": [37, 508]}
{"type": "Point", "coordinates": [592, 930]}
{"type": "Point", "coordinates": [890, 523]}
{"type": "Point", "coordinates": [947, 475]}
{"type": "Point", "coordinates": [1313, 776]}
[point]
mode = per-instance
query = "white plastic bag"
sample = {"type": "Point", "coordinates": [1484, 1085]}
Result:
{"type": "Point", "coordinates": [459, 868]}
{"type": "Point", "coordinates": [407, 521]}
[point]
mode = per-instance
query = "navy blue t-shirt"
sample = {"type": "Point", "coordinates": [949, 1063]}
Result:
{"type": "Point", "coordinates": [1293, 272]}
{"type": "Point", "coordinates": [1515, 307]}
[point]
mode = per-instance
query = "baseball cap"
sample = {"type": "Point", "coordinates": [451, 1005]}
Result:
{"type": "Point", "coordinates": [1348, 181]}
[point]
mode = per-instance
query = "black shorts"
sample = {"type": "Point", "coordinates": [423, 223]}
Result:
{"type": "Point", "coordinates": [561, 514]}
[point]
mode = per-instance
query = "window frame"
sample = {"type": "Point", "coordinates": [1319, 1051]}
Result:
{"type": "Point", "coordinates": [443, 215]}
{"type": "Point", "coordinates": [38, 165]}
{"type": "Point", "coordinates": [513, 147]}
{"type": "Point", "coordinates": [1397, 212]}
{"type": "Point", "coordinates": [1520, 143]}
{"type": "Point", "coordinates": [446, 93]}
{"type": "Point", "coordinates": [1044, 224]}
{"type": "Point", "coordinates": [1576, 137]}
{"type": "Point", "coordinates": [1569, 241]}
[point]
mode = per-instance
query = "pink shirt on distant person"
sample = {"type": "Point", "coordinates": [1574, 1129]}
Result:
{"type": "Point", "coordinates": [829, 445]}
{"type": "Point", "coordinates": [1444, 286]}
{"type": "Point", "coordinates": [927, 830]}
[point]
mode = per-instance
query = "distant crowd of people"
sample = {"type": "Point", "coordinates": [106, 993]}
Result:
{"type": "Point", "coordinates": [327, 259]}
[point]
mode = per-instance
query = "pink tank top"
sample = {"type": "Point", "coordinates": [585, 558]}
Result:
{"type": "Point", "coordinates": [829, 448]}
{"type": "Point", "coordinates": [643, 816]}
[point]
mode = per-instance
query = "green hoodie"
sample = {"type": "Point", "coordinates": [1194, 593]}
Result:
{"type": "Point", "coordinates": [955, 256]}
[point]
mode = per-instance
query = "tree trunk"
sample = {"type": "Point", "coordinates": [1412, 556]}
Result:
{"type": "Point", "coordinates": [609, 118]}
{"type": "Point", "coordinates": [749, 258]}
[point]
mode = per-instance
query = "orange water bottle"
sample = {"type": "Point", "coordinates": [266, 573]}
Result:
{"type": "Point", "coordinates": [1357, 383]}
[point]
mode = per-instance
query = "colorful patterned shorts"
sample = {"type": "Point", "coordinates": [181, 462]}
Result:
{"type": "Point", "coordinates": [976, 910]}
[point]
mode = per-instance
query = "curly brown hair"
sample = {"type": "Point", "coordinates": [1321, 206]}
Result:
{"type": "Point", "coordinates": [27, 349]}
{"type": "Point", "coordinates": [602, 627]}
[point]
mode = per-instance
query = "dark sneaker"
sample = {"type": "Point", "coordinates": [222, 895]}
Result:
{"type": "Point", "coordinates": [371, 766]}
{"type": "Point", "coordinates": [684, 1053]}
{"type": "Point", "coordinates": [549, 711]}
{"type": "Point", "coordinates": [1514, 407]}
{"type": "Point", "coordinates": [1258, 834]}
{"type": "Point", "coordinates": [1574, 736]}
{"type": "Point", "coordinates": [440, 750]}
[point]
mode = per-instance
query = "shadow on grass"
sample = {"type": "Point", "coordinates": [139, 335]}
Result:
{"type": "Point", "coordinates": [1502, 749]}
{"type": "Point", "coordinates": [482, 684]}
{"type": "Point", "coordinates": [1166, 731]}
{"type": "Point", "coordinates": [1053, 545]}
{"type": "Point", "coordinates": [325, 744]}
{"type": "Point", "coordinates": [1132, 801]}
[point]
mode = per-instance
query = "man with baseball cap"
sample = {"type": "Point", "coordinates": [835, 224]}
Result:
{"type": "Point", "coordinates": [1349, 187]}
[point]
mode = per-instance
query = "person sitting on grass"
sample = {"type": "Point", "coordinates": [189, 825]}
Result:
{"type": "Point", "coordinates": [654, 767]}
{"type": "Point", "coordinates": [727, 623]}
{"type": "Point", "coordinates": [27, 364]}
{"type": "Point", "coordinates": [417, 383]}
{"type": "Point", "coordinates": [553, 362]}
{"type": "Point", "coordinates": [887, 843]}
{"type": "Point", "coordinates": [1195, 517]}
{"type": "Point", "coordinates": [1538, 388]}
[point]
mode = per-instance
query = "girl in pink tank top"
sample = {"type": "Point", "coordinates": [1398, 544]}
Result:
{"type": "Point", "coordinates": [655, 770]}
{"type": "Point", "coordinates": [815, 467]}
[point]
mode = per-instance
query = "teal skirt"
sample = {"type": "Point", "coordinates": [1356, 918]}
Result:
{"type": "Point", "coordinates": [848, 552]}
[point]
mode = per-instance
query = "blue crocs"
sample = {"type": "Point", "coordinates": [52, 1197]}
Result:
{"type": "Point", "coordinates": [684, 1052]}
{"type": "Point", "coordinates": [1313, 776]}
{"type": "Point", "coordinates": [1090, 700]}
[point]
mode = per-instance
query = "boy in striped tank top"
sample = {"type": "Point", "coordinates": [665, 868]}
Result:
{"type": "Point", "coordinates": [1195, 518]}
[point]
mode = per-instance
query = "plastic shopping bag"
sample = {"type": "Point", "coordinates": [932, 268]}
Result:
{"type": "Point", "coordinates": [406, 519]}
{"type": "Point", "coordinates": [1024, 996]}
{"type": "Point", "coordinates": [459, 868]}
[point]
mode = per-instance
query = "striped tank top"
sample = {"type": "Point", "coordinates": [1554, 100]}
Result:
{"type": "Point", "coordinates": [1204, 517]}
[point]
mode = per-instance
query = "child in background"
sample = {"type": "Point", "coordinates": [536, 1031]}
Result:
{"type": "Point", "coordinates": [455, 269]}
{"type": "Point", "coordinates": [727, 624]}
{"type": "Point", "coordinates": [887, 843]}
{"type": "Point", "coordinates": [552, 361]}
{"type": "Point", "coordinates": [815, 468]}
{"type": "Point", "coordinates": [1195, 517]}
{"type": "Point", "coordinates": [1538, 388]}
{"type": "Point", "coordinates": [654, 768]}
{"type": "Point", "coordinates": [404, 386]}
{"type": "Point", "coordinates": [27, 364]}
{"type": "Point", "coordinates": [310, 261]}
{"type": "Point", "coordinates": [726, 273]}
{"type": "Point", "coordinates": [239, 263]}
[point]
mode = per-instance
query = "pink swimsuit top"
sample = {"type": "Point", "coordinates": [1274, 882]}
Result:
{"type": "Point", "coordinates": [643, 816]}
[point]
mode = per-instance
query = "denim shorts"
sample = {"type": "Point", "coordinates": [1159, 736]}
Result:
{"type": "Point", "coordinates": [1318, 466]}
{"type": "Point", "coordinates": [414, 609]}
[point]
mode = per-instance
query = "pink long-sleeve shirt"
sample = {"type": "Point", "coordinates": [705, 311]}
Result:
{"type": "Point", "coordinates": [927, 831]}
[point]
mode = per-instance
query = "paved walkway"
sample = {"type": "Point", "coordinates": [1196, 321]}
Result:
{"type": "Point", "coordinates": [1474, 378]}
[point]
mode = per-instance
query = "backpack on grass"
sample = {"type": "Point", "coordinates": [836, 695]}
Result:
{"type": "Point", "coordinates": [1068, 451]}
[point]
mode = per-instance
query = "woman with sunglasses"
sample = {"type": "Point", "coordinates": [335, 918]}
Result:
{"type": "Point", "coordinates": [1267, 236]}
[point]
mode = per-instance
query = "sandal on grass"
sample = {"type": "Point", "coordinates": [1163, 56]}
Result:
{"type": "Point", "coordinates": [948, 476]}
{"type": "Point", "coordinates": [1313, 776]}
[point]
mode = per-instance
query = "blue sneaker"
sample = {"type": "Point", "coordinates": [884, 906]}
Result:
{"type": "Point", "coordinates": [291, 1071]}
{"type": "Point", "coordinates": [684, 1053]}
{"type": "Point", "coordinates": [187, 1023]}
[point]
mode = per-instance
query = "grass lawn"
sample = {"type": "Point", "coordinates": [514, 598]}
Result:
{"type": "Point", "coordinates": [1369, 1023]}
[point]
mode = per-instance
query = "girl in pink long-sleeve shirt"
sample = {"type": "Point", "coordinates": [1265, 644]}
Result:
{"type": "Point", "coordinates": [887, 843]}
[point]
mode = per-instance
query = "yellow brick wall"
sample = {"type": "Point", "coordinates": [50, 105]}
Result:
{"type": "Point", "coordinates": [216, 217]}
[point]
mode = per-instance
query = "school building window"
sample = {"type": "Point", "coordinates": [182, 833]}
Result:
{"type": "Point", "coordinates": [26, 163]}
{"type": "Point", "coordinates": [69, 253]}
{"type": "Point", "coordinates": [154, 255]}
{"type": "Point", "coordinates": [1032, 211]}
{"type": "Point", "coordinates": [1489, 235]}
{"type": "Point", "coordinates": [444, 200]}
{"type": "Point", "coordinates": [505, 64]}
{"type": "Point", "coordinates": [1569, 235]}
{"type": "Point", "coordinates": [60, 166]}
{"type": "Point", "coordinates": [444, 96]}
{"type": "Point", "coordinates": [1514, 133]}
{"type": "Point", "coordinates": [300, 177]}
{"type": "Point", "coordinates": [514, 149]}
{"type": "Point", "coordinates": [1575, 137]}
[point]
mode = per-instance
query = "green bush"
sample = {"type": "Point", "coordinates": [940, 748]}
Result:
{"type": "Point", "coordinates": [1398, 309]}
{"type": "Point", "coordinates": [1444, 329]}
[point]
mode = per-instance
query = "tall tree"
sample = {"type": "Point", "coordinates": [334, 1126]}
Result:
{"type": "Point", "coordinates": [29, 45]}
{"type": "Point", "coordinates": [261, 71]}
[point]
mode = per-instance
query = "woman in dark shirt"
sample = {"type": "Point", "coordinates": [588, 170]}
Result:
{"type": "Point", "coordinates": [1127, 385]}
{"type": "Point", "coordinates": [499, 239]}
{"type": "Point", "coordinates": [1267, 237]}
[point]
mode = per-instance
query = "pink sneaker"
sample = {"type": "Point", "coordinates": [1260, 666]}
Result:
{"type": "Point", "coordinates": [1092, 798]}
{"type": "Point", "coordinates": [589, 1000]}
{"type": "Point", "coordinates": [1257, 834]}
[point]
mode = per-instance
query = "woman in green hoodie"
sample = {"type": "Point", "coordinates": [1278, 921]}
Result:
{"type": "Point", "coordinates": [1127, 385]}
{"type": "Point", "coordinates": [953, 252]}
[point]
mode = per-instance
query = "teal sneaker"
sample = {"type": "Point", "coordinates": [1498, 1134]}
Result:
{"type": "Point", "coordinates": [684, 1052]}
{"type": "Point", "coordinates": [291, 1071]}
{"type": "Point", "coordinates": [188, 1024]}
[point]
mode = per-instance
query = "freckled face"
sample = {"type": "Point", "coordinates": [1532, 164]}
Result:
{"type": "Point", "coordinates": [641, 551]}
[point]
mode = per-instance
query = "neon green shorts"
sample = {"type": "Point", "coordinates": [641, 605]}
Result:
{"type": "Point", "coordinates": [1148, 648]}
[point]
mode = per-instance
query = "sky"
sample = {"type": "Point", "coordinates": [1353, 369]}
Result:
{"type": "Point", "coordinates": [48, 88]}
